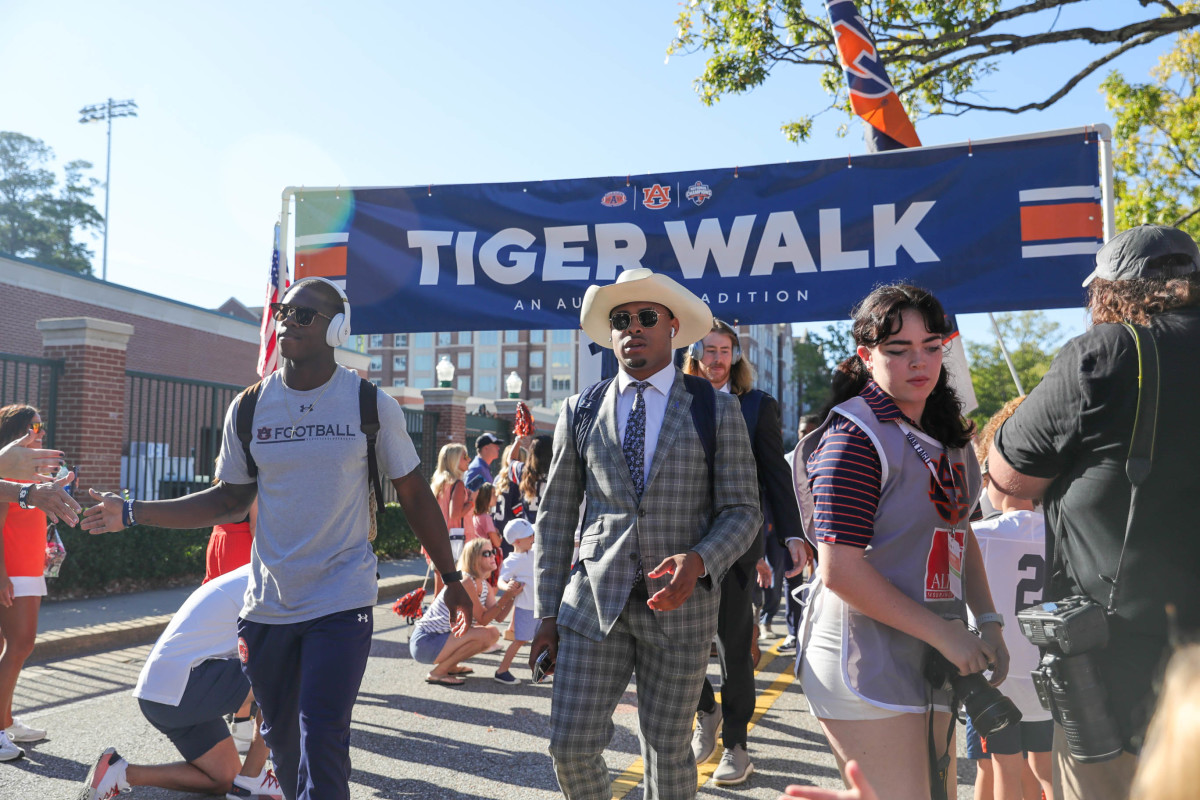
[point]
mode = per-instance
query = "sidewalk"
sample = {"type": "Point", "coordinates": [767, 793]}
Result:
{"type": "Point", "coordinates": [74, 627]}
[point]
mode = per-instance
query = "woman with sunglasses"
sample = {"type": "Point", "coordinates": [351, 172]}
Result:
{"type": "Point", "coordinates": [893, 481]}
{"type": "Point", "coordinates": [432, 642]}
{"type": "Point", "coordinates": [22, 563]}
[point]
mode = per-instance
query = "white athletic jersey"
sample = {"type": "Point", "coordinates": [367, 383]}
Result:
{"type": "Point", "coordinates": [1014, 556]}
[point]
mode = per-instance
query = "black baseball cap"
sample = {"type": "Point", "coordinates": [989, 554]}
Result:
{"type": "Point", "coordinates": [484, 439]}
{"type": "Point", "coordinates": [1147, 251]}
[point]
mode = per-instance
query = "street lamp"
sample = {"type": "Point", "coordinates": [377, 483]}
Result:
{"type": "Point", "coordinates": [513, 383]}
{"type": "Point", "coordinates": [105, 112]}
{"type": "Point", "coordinates": [445, 372]}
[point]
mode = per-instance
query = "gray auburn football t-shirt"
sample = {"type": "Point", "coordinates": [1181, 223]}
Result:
{"type": "Point", "coordinates": [311, 556]}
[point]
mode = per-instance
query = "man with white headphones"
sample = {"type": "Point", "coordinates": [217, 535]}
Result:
{"type": "Point", "coordinates": [304, 632]}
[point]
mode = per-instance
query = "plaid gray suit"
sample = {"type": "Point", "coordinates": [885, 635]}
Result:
{"type": "Point", "coordinates": [604, 637]}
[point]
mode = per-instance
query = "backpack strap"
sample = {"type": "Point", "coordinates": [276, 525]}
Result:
{"type": "Point", "coordinates": [704, 418]}
{"type": "Point", "coordinates": [368, 421]}
{"type": "Point", "coordinates": [247, 402]}
{"type": "Point", "coordinates": [586, 409]}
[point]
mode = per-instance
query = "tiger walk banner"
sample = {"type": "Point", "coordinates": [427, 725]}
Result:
{"type": "Point", "coordinates": [998, 225]}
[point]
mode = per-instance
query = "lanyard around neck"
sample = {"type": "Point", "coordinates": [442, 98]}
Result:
{"type": "Point", "coordinates": [952, 495]}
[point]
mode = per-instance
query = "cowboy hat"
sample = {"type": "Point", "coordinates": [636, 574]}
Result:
{"type": "Point", "coordinates": [641, 284]}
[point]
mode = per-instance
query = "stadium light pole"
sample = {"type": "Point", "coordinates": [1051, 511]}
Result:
{"type": "Point", "coordinates": [104, 112]}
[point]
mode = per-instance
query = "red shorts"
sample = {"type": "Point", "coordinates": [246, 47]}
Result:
{"type": "Point", "coordinates": [228, 549]}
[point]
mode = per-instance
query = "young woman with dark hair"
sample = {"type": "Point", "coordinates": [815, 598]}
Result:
{"type": "Point", "coordinates": [22, 561]}
{"type": "Point", "coordinates": [893, 484]}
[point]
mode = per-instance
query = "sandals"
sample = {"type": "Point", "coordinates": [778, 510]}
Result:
{"type": "Point", "coordinates": [460, 671]}
{"type": "Point", "coordinates": [444, 680]}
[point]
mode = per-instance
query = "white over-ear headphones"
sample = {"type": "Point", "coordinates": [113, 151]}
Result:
{"type": "Point", "coordinates": [697, 349]}
{"type": "Point", "coordinates": [338, 332]}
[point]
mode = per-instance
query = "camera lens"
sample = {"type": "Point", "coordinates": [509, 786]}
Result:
{"type": "Point", "coordinates": [989, 710]}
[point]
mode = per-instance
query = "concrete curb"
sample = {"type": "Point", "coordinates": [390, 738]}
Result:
{"type": "Point", "coordinates": [71, 642]}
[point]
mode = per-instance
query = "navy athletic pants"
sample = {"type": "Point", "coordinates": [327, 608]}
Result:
{"type": "Point", "coordinates": [305, 677]}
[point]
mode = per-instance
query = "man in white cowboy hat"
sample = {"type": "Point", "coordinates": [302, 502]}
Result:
{"type": "Point", "coordinates": [670, 507]}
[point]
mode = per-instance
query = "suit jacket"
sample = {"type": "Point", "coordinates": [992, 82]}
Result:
{"type": "Point", "coordinates": [678, 512]}
{"type": "Point", "coordinates": [774, 480]}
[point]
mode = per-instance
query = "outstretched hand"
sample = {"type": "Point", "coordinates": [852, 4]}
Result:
{"type": "Point", "coordinates": [859, 789]}
{"type": "Point", "coordinates": [52, 498]}
{"type": "Point", "coordinates": [21, 461]}
{"type": "Point", "coordinates": [685, 569]}
{"type": "Point", "coordinates": [105, 516]}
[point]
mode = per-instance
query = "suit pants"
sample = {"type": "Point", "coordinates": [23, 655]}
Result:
{"type": "Point", "coordinates": [735, 631]}
{"type": "Point", "coordinates": [589, 679]}
{"type": "Point", "coordinates": [781, 589]}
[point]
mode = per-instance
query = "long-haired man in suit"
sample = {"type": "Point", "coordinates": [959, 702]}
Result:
{"type": "Point", "coordinates": [718, 358]}
{"type": "Point", "coordinates": [660, 529]}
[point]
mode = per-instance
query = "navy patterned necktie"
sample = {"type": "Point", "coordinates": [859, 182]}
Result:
{"type": "Point", "coordinates": [634, 446]}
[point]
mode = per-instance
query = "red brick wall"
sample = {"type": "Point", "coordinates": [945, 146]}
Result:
{"type": "Point", "coordinates": [90, 415]}
{"type": "Point", "coordinates": [155, 346]}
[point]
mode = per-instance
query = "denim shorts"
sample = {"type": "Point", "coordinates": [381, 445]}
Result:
{"type": "Point", "coordinates": [425, 647]}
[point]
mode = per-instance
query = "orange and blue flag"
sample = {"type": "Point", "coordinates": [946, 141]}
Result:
{"type": "Point", "coordinates": [871, 94]}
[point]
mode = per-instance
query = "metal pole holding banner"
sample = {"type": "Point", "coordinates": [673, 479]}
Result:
{"type": "Point", "coordinates": [1007, 358]}
{"type": "Point", "coordinates": [1108, 201]}
{"type": "Point", "coordinates": [285, 223]}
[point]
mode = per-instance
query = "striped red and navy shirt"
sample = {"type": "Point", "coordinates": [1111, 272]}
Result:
{"type": "Point", "coordinates": [845, 475]}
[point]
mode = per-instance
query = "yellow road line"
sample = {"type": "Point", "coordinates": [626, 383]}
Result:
{"type": "Point", "coordinates": [631, 777]}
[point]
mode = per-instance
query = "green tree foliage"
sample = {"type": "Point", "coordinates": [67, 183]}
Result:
{"type": "Point", "coordinates": [38, 218]}
{"type": "Point", "coordinates": [937, 52]}
{"type": "Point", "coordinates": [1156, 156]}
{"type": "Point", "coordinates": [816, 357]}
{"type": "Point", "coordinates": [1032, 340]}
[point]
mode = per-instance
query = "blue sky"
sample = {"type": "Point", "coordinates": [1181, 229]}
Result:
{"type": "Point", "coordinates": [239, 100]}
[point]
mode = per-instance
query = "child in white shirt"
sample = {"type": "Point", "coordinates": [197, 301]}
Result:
{"type": "Point", "coordinates": [516, 573]}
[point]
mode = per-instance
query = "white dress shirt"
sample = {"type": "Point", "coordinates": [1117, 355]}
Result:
{"type": "Point", "coordinates": [655, 396]}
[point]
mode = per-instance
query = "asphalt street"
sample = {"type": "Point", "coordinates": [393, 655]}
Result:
{"type": "Point", "coordinates": [409, 739]}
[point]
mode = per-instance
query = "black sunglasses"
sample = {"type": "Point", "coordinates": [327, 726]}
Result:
{"type": "Point", "coordinates": [303, 315]}
{"type": "Point", "coordinates": [620, 319]}
{"type": "Point", "coordinates": [486, 553]}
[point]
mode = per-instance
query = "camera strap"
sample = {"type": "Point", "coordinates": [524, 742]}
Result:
{"type": "Point", "coordinates": [1141, 446]}
{"type": "Point", "coordinates": [939, 766]}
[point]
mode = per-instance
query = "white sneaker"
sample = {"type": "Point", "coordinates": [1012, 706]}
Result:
{"type": "Point", "coordinates": [264, 787]}
{"type": "Point", "coordinates": [735, 767]}
{"type": "Point", "coordinates": [243, 734]}
{"type": "Point", "coordinates": [106, 779]}
{"type": "Point", "coordinates": [704, 737]}
{"type": "Point", "coordinates": [20, 732]}
{"type": "Point", "coordinates": [8, 748]}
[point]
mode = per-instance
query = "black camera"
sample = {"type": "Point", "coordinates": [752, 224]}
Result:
{"type": "Point", "coordinates": [1067, 679]}
{"type": "Point", "coordinates": [989, 710]}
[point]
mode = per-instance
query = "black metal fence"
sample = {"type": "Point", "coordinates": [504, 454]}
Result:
{"type": "Point", "coordinates": [422, 429]}
{"type": "Point", "coordinates": [477, 424]}
{"type": "Point", "coordinates": [173, 434]}
{"type": "Point", "coordinates": [32, 381]}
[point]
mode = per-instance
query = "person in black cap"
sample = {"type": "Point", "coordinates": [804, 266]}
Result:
{"type": "Point", "coordinates": [479, 472]}
{"type": "Point", "coordinates": [1068, 443]}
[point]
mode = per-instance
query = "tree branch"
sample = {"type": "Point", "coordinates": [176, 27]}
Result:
{"type": "Point", "coordinates": [1052, 99]}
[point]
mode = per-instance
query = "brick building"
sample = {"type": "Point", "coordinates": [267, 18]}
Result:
{"type": "Point", "coordinates": [134, 385]}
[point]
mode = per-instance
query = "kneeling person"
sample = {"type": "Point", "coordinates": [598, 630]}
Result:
{"type": "Point", "coordinates": [191, 680]}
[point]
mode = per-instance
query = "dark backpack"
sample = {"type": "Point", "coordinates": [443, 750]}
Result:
{"type": "Point", "coordinates": [704, 416]}
{"type": "Point", "coordinates": [368, 415]}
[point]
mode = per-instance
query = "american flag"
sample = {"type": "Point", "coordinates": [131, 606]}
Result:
{"type": "Point", "coordinates": [268, 349]}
